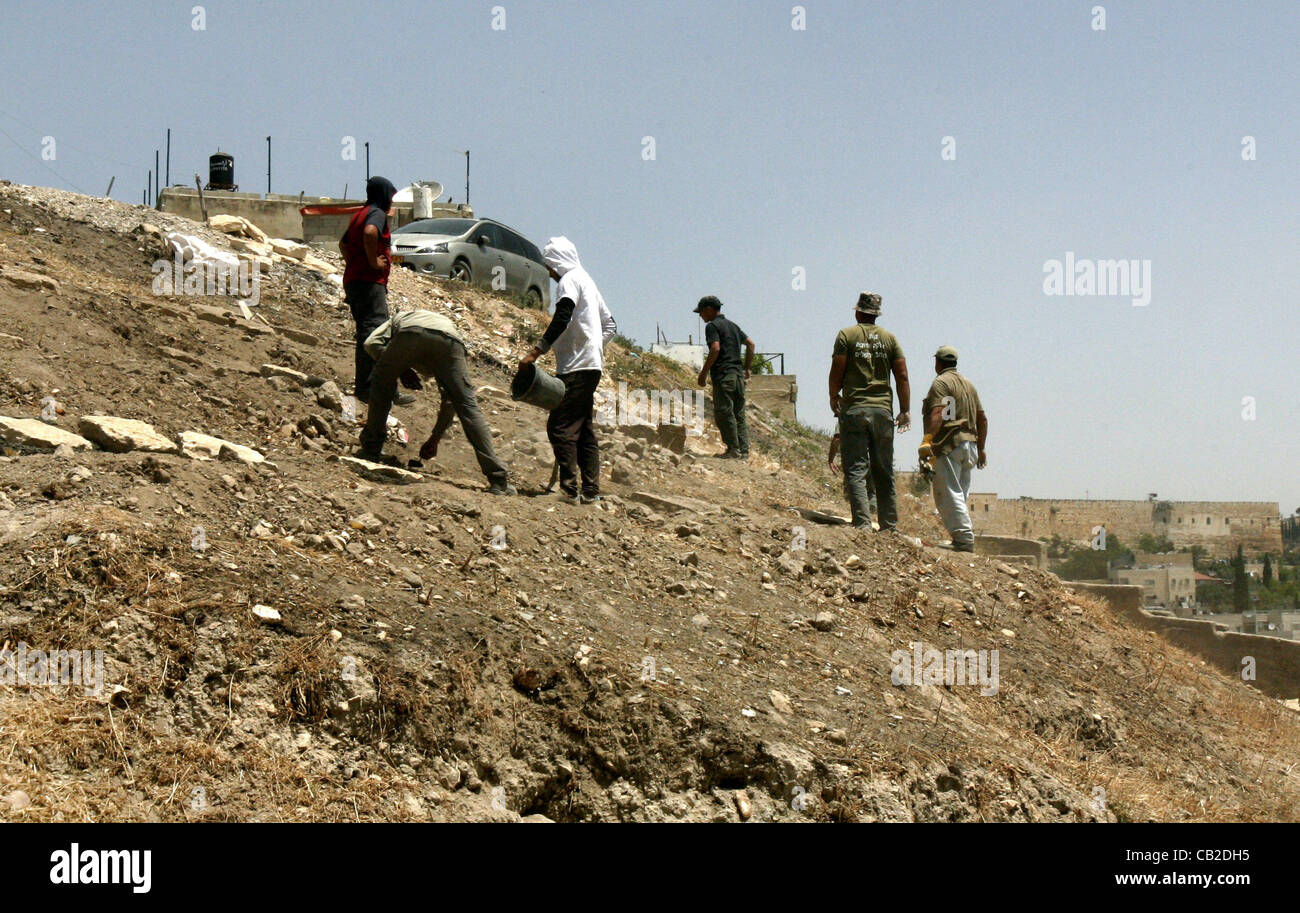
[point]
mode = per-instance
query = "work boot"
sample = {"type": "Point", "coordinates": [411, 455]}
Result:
{"type": "Point", "coordinates": [504, 489]}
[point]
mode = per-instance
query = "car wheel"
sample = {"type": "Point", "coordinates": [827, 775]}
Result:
{"type": "Point", "coordinates": [460, 271]}
{"type": "Point", "coordinates": [533, 299]}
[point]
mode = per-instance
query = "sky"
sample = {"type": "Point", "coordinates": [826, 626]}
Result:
{"type": "Point", "coordinates": [938, 154]}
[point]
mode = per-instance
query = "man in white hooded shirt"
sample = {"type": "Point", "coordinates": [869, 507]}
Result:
{"type": "Point", "coordinates": [578, 333]}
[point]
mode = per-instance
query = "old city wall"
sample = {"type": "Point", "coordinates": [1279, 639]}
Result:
{"type": "Point", "coordinates": [1217, 526]}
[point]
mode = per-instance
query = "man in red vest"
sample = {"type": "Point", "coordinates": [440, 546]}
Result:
{"type": "Point", "coordinates": [365, 246]}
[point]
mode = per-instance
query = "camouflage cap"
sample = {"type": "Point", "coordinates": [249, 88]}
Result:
{"type": "Point", "coordinates": [947, 354]}
{"type": "Point", "coordinates": [868, 303]}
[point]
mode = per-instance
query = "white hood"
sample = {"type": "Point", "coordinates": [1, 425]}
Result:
{"type": "Point", "coordinates": [581, 346]}
{"type": "Point", "coordinates": [560, 255]}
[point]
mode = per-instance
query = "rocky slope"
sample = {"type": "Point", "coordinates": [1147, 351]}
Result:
{"type": "Point", "coordinates": [287, 639]}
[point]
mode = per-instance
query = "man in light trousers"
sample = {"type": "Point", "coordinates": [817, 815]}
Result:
{"type": "Point", "coordinates": [955, 432]}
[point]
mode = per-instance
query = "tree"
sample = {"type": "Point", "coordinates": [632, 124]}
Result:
{"type": "Point", "coordinates": [1240, 583]}
{"type": "Point", "coordinates": [1155, 545]}
{"type": "Point", "coordinates": [1268, 571]}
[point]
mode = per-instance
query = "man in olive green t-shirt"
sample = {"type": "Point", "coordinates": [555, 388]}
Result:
{"type": "Point", "coordinates": [864, 359]}
{"type": "Point", "coordinates": [955, 431]}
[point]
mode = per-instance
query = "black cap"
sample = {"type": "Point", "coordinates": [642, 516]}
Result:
{"type": "Point", "coordinates": [708, 301]}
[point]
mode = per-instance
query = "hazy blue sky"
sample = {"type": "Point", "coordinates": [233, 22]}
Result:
{"type": "Point", "coordinates": [779, 148]}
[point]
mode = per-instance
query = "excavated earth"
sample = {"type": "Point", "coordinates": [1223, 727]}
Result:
{"type": "Point", "coordinates": [692, 648]}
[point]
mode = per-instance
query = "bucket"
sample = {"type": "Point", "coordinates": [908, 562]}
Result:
{"type": "Point", "coordinates": [534, 386]}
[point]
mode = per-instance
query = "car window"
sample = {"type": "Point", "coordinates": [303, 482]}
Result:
{"type": "Point", "coordinates": [512, 243]}
{"type": "Point", "coordinates": [436, 227]}
{"type": "Point", "coordinates": [532, 253]}
{"type": "Point", "coordinates": [489, 232]}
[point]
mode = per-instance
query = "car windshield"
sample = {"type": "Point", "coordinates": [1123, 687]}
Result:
{"type": "Point", "coordinates": [451, 227]}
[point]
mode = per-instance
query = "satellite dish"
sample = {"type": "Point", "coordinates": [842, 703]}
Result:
{"type": "Point", "coordinates": [407, 194]}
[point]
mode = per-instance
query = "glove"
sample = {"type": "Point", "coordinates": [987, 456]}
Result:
{"type": "Point", "coordinates": [926, 450]}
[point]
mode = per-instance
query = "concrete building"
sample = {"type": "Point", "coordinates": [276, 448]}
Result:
{"type": "Point", "coordinates": [280, 215]}
{"type": "Point", "coordinates": [1216, 526]}
{"type": "Point", "coordinates": [777, 393]}
{"type": "Point", "coordinates": [687, 353]}
{"type": "Point", "coordinates": [1166, 579]}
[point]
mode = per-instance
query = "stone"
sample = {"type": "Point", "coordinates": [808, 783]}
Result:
{"type": "Point", "coordinates": [121, 435]}
{"type": "Point", "coordinates": [673, 438]}
{"type": "Point", "coordinates": [792, 565]}
{"type": "Point", "coordinates": [18, 800]}
{"type": "Point", "coordinates": [743, 806]}
{"type": "Point", "coordinates": [621, 473]}
{"type": "Point", "coordinates": [824, 621]}
{"type": "Point", "coordinates": [248, 245]}
{"type": "Point", "coordinates": [672, 505]}
{"type": "Point", "coordinates": [266, 615]}
{"type": "Point", "coordinates": [820, 516]}
{"type": "Point", "coordinates": [780, 703]}
{"type": "Point", "coordinates": [366, 522]}
{"type": "Point", "coordinates": [237, 225]}
{"type": "Point", "coordinates": [288, 373]}
{"type": "Point", "coordinates": [199, 446]}
{"type": "Point", "coordinates": [291, 249]}
{"type": "Point", "coordinates": [179, 355]}
{"type": "Point", "coordinates": [329, 396]}
{"type": "Point", "coordinates": [33, 434]}
{"type": "Point", "coordinates": [378, 472]}
{"type": "Point", "coordinates": [24, 279]}
{"type": "Point", "coordinates": [297, 335]}
{"type": "Point", "coordinates": [701, 620]}
{"type": "Point", "coordinates": [643, 431]}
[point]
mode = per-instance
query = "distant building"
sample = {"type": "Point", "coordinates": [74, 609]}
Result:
{"type": "Point", "coordinates": [687, 353]}
{"type": "Point", "coordinates": [1166, 579]}
{"type": "Point", "coordinates": [1277, 623]}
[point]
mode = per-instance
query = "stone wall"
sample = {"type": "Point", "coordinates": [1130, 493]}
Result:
{"type": "Point", "coordinates": [1273, 662]}
{"type": "Point", "coordinates": [777, 393]}
{"type": "Point", "coordinates": [1217, 526]}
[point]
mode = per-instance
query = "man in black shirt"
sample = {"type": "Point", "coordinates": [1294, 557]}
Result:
{"type": "Point", "coordinates": [729, 373]}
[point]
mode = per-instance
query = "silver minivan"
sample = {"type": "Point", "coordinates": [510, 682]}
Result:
{"type": "Point", "coordinates": [478, 251]}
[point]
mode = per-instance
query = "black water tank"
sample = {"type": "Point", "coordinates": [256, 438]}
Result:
{"type": "Point", "coordinates": [221, 171]}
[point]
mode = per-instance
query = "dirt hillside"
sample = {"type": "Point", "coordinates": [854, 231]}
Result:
{"type": "Point", "coordinates": [692, 648]}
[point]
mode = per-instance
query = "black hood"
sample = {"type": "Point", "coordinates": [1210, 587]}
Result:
{"type": "Point", "coordinates": [380, 192]}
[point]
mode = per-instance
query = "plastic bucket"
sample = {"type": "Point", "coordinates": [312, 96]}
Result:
{"type": "Point", "coordinates": [532, 385]}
